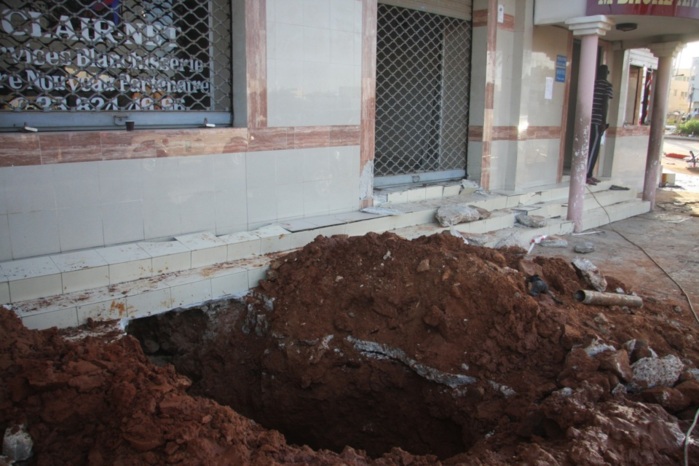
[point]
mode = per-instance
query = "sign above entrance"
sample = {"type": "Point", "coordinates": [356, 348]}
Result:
{"type": "Point", "coordinates": [672, 8]}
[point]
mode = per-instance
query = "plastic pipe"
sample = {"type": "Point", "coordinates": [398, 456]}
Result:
{"type": "Point", "coordinates": [608, 299]}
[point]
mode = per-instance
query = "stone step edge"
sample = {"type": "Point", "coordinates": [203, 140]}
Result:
{"type": "Point", "coordinates": [268, 242]}
{"type": "Point", "coordinates": [154, 295]}
{"type": "Point", "coordinates": [147, 296]}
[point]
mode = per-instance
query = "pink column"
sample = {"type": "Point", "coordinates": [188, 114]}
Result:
{"type": "Point", "coordinates": [665, 54]}
{"type": "Point", "coordinates": [588, 28]}
{"type": "Point", "coordinates": [583, 116]}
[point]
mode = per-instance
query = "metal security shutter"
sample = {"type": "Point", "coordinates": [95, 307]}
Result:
{"type": "Point", "coordinates": [85, 64]}
{"type": "Point", "coordinates": [421, 95]}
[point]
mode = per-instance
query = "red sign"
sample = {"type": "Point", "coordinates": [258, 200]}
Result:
{"type": "Point", "coordinates": [673, 8]}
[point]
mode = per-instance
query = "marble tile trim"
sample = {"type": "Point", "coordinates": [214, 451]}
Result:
{"type": "Point", "coordinates": [256, 61]}
{"type": "Point", "coordinates": [50, 148]}
{"type": "Point", "coordinates": [510, 133]}
{"type": "Point", "coordinates": [624, 131]}
{"type": "Point", "coordinates": [367, 145]}
{"type": "Point", "coordinates": [564, 111]}
{"type": "Point", "coordinates": [480, 19]}
{"type": "Point", "coordinates": [491, 69]}
{"type": "Point", "coordinates": [508, 24]}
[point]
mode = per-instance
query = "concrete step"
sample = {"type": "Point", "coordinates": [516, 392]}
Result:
{"type": "Point", "coordinates": [146, 296]}
{"type": "Point", "coordinates": [599, 216]}
{"type": "Point", "coordinates": [140, 279]}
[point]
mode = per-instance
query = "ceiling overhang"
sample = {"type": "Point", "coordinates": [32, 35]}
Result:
{"type": "Point", "coordinates": [656, 21]}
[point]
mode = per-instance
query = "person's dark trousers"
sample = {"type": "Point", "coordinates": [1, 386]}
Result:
{"type": "Point", "coordinates": [596, 132]}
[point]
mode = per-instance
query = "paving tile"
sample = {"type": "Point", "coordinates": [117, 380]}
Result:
{"type": "Point", "coordinates": [163, 248]}
{"type": "Point", "coordinates": [72, 261]}
{"type": "Point", "coordinates": [123, 253]}
{"type": "Point", "coordinates": [35, 287]}
{"type": "Point", "coordinates": [270, 231]}
{"type": "Point", "coordinates": [206, 248]}
{"type": "Point", "coordinates": [26, 268]}
{"type": "Point", "coordinates": [255, 274]}
{"type": "Point", "coordinates": [190, 294]}
{"type": "Point", "coordinates": [102, 310]}
{"type": "Point", "coordinates": [85, 279]}
{"type": "Point", "coordinates": [129, 271]}
{"type": "Point", "coordinates": [241, 245]}
{"type": "Point", "coordinates": [172, 262]}
{"type": "Point", "coordinates": [62, 319]}
{"type": "Point", "coordinates": [234, 283]}
{"type": "Point", "coordinates": [297, 225]}
{"type": "Point", "coordinates": [149, 303]}
{"type": "Point", "coordinates": [168, 256]}
{"type": "Point", "coordinates": [4, 293]}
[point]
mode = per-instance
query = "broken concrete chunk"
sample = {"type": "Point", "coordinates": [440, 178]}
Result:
{"type": "Point", "coordinates": [508, 242]}
{"type": "Point", "coordinates": [554, 242]}
{"type": "Point", "coordinates": [584, 248]}
{"type": "Point", "coordinates": [455, 214]}
{"type": "Point", "coordinates": [656, 372]}
{"type": "Point", "coordinates": [17, 444]}
{"type": "Point", "coordinates": [597, 347]}
{"type": "Point", "coordinates": [468, 187]}
{"type": "Point", "coordinates": [530, 221]}
{"type": "Point", "coordinates": [590, 273]}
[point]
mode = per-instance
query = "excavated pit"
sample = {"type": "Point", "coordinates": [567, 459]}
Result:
{"type": "Point", "coordinates": [384, 411]}
{"type": "Point", "coordinates": [431, 346]}
{"type": "Point", "coordinates": [362, 342]}
{"type": "Point", "coordinates": [371, 350]}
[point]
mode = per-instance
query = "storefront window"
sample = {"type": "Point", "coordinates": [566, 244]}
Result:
{"type": "Point", "coordinates": [83, 64]}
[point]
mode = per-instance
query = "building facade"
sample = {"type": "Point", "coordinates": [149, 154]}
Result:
{"type": "Point", "coordinates": [145, 121]}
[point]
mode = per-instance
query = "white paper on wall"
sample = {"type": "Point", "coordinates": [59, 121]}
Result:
{"type": "Point", "coordinates": [548, 92]}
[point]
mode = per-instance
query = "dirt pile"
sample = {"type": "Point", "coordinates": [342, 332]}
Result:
{"type": "Point", "coordinates": [99, 400]}
{"type": "Point", "coordinates": [375, 342]}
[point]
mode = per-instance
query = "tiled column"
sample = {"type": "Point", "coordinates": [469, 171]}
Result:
{"type": "Point", "coordinates": [665, 53]}
{"type": "Point", "coordinates": [491, 64]}
{"type": "Point", "coordinates": [589, 29]}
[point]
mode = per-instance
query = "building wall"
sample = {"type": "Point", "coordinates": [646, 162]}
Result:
{"type": "Point", "coordinates": [522, 148]}
{"type": "Point", "coordinates": [630, 147]}
{"type": "Point", "coordinates": [297, 154]}
{"type": "Point", "coordinates": [314, 62]}
{"type": "Point", "coordinates": [679, 98]}
{"type": "Point", "coordinates": [544, 110]}
{"type": "Point", "coordinates": [695, 87]}
{"type": "Point", "coordinates": [625, 144]}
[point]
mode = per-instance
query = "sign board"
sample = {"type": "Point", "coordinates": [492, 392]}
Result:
{"type": "Point", "coordinates": [109, 56]}
{"type": "Point", "coordinates": [561, 63]}
{"type": "Point", "coordinates": [673, 8]}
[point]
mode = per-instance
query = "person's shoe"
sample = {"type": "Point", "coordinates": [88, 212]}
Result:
{"type": "Point", "coordinates": [591, 181]}
{"type": "Point", "coordinates": [594, 179]}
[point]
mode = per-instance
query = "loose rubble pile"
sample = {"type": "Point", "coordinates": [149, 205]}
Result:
{"type": "Point", "coordinates": [370, 350]}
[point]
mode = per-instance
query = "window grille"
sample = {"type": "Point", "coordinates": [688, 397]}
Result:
{"type": "Point", "coordinates": [98, 63]}
{"type": "Point", "coordinates": [421, 92]}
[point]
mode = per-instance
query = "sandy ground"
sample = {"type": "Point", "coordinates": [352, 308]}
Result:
{"type": "Point", "coordinates": [651, 250]}
{"type": "Point", "coordinates": [686, 176]}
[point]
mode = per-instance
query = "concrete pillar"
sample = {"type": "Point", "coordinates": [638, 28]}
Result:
{"type": "Point", "coordinates": [665, 53]}
{"type": "Point", "coordinates": [589, 28]}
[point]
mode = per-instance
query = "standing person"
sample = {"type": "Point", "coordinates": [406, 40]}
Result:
{"type": "Point", "coordinates": [600, 104]}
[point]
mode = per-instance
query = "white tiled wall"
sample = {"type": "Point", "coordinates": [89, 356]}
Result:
{"type": "Point", "coordinates": [314, 62]}
{"type": "Point", "coordinates": [58, 208]}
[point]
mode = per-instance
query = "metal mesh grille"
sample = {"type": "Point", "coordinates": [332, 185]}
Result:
{"type": "Point", "coordinates": [115, 55]}
{"type": "Point", "coordinates": [421, 92]}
